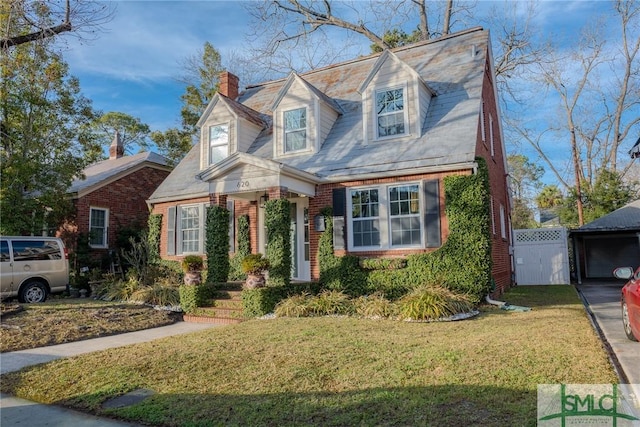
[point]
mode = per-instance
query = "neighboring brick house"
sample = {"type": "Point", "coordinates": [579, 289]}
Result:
{"type": "Point", "coordinates": [112, 194]}
{"type": "Point", "coordinates": [372, 137]}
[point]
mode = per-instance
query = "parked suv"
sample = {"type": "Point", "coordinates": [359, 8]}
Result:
{"type": "Point", "coordinates": [31, 268]}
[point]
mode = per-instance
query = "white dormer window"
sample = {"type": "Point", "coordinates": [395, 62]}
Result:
{"type": "Point", "coordinates": [218, 143]}
{"type": "Point", "coordinates": [295, 130]}
{"type": "Point", "coordinates": [390, 113]}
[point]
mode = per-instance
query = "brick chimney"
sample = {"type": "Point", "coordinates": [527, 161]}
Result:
{"type": "Point", "coordinates": [228, 85]}
{"type": "Point", "coordinates": [116, 149]}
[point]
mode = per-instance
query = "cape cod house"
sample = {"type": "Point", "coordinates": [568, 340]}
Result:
{"type": "Point", "coordinates": [372, 137]}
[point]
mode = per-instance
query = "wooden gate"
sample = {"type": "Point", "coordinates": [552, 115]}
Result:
{"type": "Point", "coordinates": [541, 256]}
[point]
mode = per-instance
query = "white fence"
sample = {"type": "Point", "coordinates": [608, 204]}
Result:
{"type": "Point", "coordinates": [541, 256]}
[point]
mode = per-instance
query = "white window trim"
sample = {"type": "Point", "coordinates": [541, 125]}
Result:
{"type": "Point", "coordinates": [307, 147]}
{"type": "Point", "coordinates": [483, 132]}
{"type": "Point", "coordinates": [407, 125]}
{"type": "Point", "coordinates": [493, 219]}
{"type": "Point", "coordinates": [201, 229]}
{"type": "Point", "coordinates": [491, 141]}
{"type": "Point", "coordinates": [228, 125]}
{"type": "Point", "coordinates": [503, 230]}
{"type": "Point", "coordinates": [105, 232]}
{"type": "Point", "coordinates": [384, 217]}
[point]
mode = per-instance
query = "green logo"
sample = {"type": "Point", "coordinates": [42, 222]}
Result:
{"type": "Point", "coordinates": [592, 404]}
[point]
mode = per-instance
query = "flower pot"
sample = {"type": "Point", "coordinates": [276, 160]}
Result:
{"type": "Point", "coordinates": [254, 281]}
{"type": "Point", "coordinates": [193, 278]}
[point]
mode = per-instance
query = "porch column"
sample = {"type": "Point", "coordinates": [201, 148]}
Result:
{"type": "Point", "coordinates": [218, 199]}
{"type": "Point", "coordinates": [278, 193]}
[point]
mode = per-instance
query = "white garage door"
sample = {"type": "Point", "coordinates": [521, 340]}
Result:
{"type": "Point", "coordinates": [541, 256]}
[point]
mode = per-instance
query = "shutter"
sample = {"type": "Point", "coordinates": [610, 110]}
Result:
{"type": "Point", "coordinates": [171, 230]}
{"type": "Point", "coordinates": [202, 229]}
{"type": "Point", "coordinates": [339, 225]}
{"type": "Point", "coordinates": [431, 189]}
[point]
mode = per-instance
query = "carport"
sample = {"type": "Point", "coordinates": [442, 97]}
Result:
{"type": "Point", "coordinates": [606, 243]}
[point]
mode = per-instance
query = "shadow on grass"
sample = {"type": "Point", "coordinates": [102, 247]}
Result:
{"type": "Point", "coordinates": [410, 406]}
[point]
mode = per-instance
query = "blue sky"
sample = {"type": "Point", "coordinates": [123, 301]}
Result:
{"type": "Point", "coordinates": [132, 66]}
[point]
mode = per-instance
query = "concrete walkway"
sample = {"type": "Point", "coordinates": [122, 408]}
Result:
{"type": "Point", "coordinates": [20, 412]}
{"type": "Point", "coordinates": [602, 301]}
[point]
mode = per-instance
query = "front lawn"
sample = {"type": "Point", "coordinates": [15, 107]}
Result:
{"type": "Point", "coordinates": [341, 371]}
{"type": "Point", "coordinates": [58, 321]}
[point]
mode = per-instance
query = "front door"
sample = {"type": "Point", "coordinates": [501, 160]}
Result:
{"type": "Point", "coordinates": [300, 265]}
{"type": "Point", "coordinates": [299, 238]}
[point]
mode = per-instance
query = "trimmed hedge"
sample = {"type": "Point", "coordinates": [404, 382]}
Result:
{"type": "Point", "coordinates": [217, 243]}
{"type": "Point", "coordinates": [278, 252]}
{"type": "Point", "coordinates": [244, 249]}
{"type": "Point", "coordinates": [260, 301]}
{"type": "Point", "coordinates": [154, 223]}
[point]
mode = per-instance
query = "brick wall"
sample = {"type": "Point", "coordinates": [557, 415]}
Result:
{"type": "Point", "coordinates": [502, 262]}
{"type": "Point", "coordinates": [126, 200]}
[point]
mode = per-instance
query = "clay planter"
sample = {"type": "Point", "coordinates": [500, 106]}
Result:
{"type": "Point", "coordinates": [254, 281]}
{"type": "Point", "coordinates": [192, 278]}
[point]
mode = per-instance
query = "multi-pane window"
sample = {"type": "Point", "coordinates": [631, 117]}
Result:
{"type": "Point", "coordinates": [295, 130]}
{"type": "Point", "coordinates": [390, 115]}
{"type": "Point", "coordinates": [404, 212]}
{"type": "Point", "coordinates": [98, 220]}
{"type": "Point", "coordinates": [218, 143]}
{"type": "Point", "coordinates": [190, 228]}
{"type": "Point", "coordinates": [365, 211]}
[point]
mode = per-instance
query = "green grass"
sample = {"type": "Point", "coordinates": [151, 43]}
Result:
{"type": "Point", "coordinates": [341, 371]}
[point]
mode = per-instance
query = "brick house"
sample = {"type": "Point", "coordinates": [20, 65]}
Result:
{"type": "Point", "coordinates": [372, 137]}
{"type": "Point", "coordinates": [113, 195]}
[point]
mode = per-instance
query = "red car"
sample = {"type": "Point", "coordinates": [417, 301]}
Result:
{"type": "Point", "coordinates": [630, 301]}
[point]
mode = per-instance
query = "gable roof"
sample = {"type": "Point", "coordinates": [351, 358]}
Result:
{"type": "Point", "coordinates": [453, 67]}
{"type": "Point", "coordinates": [626, 218]}
{"type": "Point", "coordinates": [236, 109]}
{"type": "Point", "coordinates": [102, 173]}
{"type": "Point", "coordinates": [293, 77]}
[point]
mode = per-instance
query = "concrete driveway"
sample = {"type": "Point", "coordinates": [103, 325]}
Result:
{"type": "Point", "coordinates": [602, 301]}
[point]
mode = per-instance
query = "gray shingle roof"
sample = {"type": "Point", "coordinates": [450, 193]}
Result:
{"type": "Point", "coordinates": [99, 173]}
{"type": "Point", "coordinates": [450, 129]}
{"type": "Point", "coordinates": [627, 218]}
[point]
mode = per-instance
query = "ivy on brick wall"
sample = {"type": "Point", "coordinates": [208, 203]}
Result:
{"type": "Point", "coordinates": [217, 244]}
{"type": "Point", "coordinates": [463, 263]}
{"type": "Point", "coordinates": [278, 252]}
{"type": "Point", "coordinates": [154, 223]}
{"type": "Point", "coordinates": [244, 249]}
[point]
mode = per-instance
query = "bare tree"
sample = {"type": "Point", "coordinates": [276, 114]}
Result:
{"type": "Point", "coordinates": [598, 108]}
{"type": "Point", "coordinates": [25, 21]}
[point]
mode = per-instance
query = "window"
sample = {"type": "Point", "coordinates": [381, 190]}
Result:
{"type": "Point", "coordinates": [218, 143]}
{"type": "Point", "coordinates": [5, 256]}
{"type": "Point", "coordinates": [295, 130]}
{"type": "Point", "coordinates": [386, 217]}
{"type": "Point", "coordinates": [404, 204]}
{"type": "Point", "coordinates": [503, 226]}
{"type": "Point", "coordinates": [365, 212]}
{"type": "Point", "coordinates": [190, 228]}
{"type": "Point", "coordinates": [491, 142]}
{"type": "Point", "coordinates": [493, 220]}
{"type": "Point", "coordinates": [390, 113]}
{"type": "Point", "coordinates": [482, 129]}
{"type": "Point", "coordinates": [98, 226]}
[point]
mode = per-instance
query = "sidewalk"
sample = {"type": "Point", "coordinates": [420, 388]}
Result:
{"type": "Point", "coordinates": [20, 412]}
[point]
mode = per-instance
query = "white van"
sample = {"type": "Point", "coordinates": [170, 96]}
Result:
{"type": "Point", "coordinates": [31, 268]}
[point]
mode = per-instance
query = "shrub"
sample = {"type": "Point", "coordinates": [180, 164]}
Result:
{"type": "Point", "coordinates": [432, 303]}
{"type": "Point", "coordinates": [192, 263]}
{"type": "Point", "coordinates": [157, 295]}
{"type": "Point", "coordinates": [261, 301]}
{"type": "Point", "coordinates": [330, 303]}
{"type": "Point", "coordinates": [154, 224]}
{"type": "Point", "coordinates": [191, 297]}
{"type": "Point", "coordinates": [294, 306]}
{"type": "Point", "coordinates": [373, 306]}
{"type": "Point", "coordinates": [278, 223]}
{"type": "Point", "coordinates": [217, 244]}
{"type": "Point", "coordinates": [255, 264]}
{"type": "Point", "coordinates": [244, 249]}
{"type": "Point", "coordinates": [121, 290]}
{"type": "Point", "coordinates": [383, 263]}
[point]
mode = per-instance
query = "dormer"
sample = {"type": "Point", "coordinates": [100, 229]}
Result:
{"type": "Point", "coordinates": [395, 100]}
{"type": "Point", "coordinates": [302, 118]}
{"type": "Point", "coordinates": [226, 127]}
